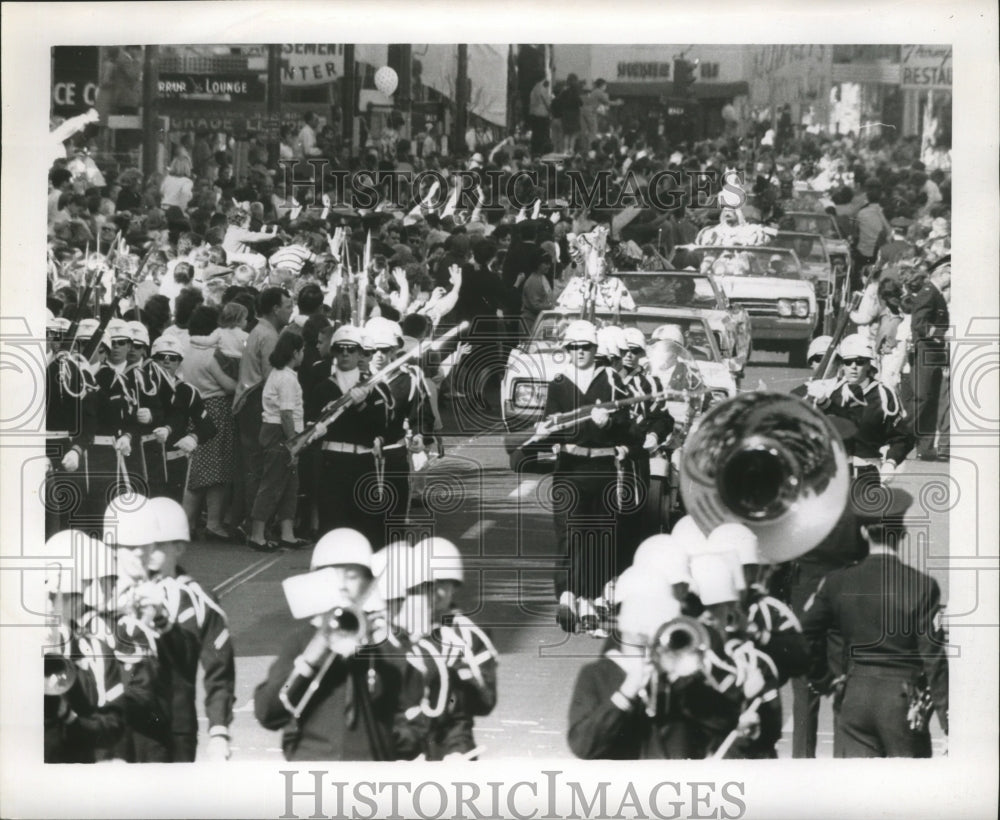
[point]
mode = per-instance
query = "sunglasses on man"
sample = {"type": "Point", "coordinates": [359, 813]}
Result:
{"type": "Point", "coordinates": [120, 342]}
{"type": "Point", "coordinates": [167, 358]}
{"type": "Point", "coordinates": [580, 346]}
{"type": "Point", "coordinates": [346, 349]}
{"type": "Point", "coordinates": [858, 362]}
{"type": "Point", "coordinates": [636, 351]}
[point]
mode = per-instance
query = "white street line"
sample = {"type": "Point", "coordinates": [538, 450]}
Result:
{"type": "Point", "coordinates": [523, 489]}
{"type": "Point", "coordinates": [243, 577]}
{"type": "Point", "coordinates": [477, 529]}
{"type": "Point", "coordinates": [520, 722]}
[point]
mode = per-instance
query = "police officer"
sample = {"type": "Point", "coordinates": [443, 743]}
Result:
{"type": "Point", "coordinates": [587, 482]}
{"type": "Point", "coordinates": [874, 409]}
{"type": "Point", "coordinates": [69, 425]}
{"type": "Point", "coordinates": [894, 676]}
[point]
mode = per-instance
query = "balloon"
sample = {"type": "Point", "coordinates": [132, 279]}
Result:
{"type": "Point", "coordinates": [386, 80]}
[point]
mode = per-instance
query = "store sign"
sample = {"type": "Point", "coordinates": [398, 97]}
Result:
{"type": "Point", "coordinates": [238, 125]}
{"type": "Point", "coordinates": [222, 87]}
{"type": "Point", "coordinates": [311, 64]}
{"type": "Point", "coordinates": [74, 79]}
{"type": "Point", "coordinates": [926, 67]}
{"type": "Point", "coordinates": [643, 71]}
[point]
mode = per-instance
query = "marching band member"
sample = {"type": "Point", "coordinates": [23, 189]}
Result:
{"type": "Point", "coordinates": [69, 426]}
{"type": "Point", "coordinates": [336, 696]}
{"type": "Point", "coordinates": [814, 355]}
{"type": "Point", "coordinates": [192, 627]}
{"type": "Point", "coordinates": [152, 407]}
{"type": "Point", "coordinates": [874, 409]}
{"type": "Point", "coordinates": [187, 423]}
{"type": "Point", "coordinates": [893, 679]}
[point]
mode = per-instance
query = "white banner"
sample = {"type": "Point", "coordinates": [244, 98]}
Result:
{"type": "Point", "coordinates": [311, 64]}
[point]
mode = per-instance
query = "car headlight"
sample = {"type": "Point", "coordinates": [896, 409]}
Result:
{"type": "Point", "coordinates": [529, 394]}
{"type": "Point", "coordinates": [784, 307]}
{"type": "Point", "coordinates": [801, 307]}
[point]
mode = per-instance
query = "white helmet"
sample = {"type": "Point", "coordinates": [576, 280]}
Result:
{"type": "Point", "coordinates": [382, 332]}
{"type": "Point", "coordinates": [313, 593]}
{"type": "Point", "coordinates": [665, 554]}
{"type": "Point", "coordinates": [130, 521]}
{"type": "Point", "coordinates": [341, 546]}
{"type": "Point", "coordinates": [645, 612]}
{"type": "Point", "coordinates": [445, 559]}
{"type": "Point", "coordinates": [580, 331]}
{"type": "Point", "coordinates": [349, 334]}
{"type": "Point", "coordinates": [855, 346]}
{"type": "Point", "coordinates": [87, 328]}
{"type": "Point", "coordinates": [713, 579]}
{"type": "Point", "coordinates": [638, 580]}
{"type": "Point", "coordinates": [99, 561]}
{"type": "Point", "coordinates": [171, 520]}
{"type": "Point", "coordinates": [66, 546]}
{"type": "Point", "coordinates": [819, 346]}
{"type": "Point", "coordinates": [118, 329]}
{"type": "Point", "coordinates": [139, 333]}
{"type": "Point", "coordinates": [668, 333]}
{"type": "Point", "coordinates": [167, 343]}
{"type": "Point", "coordinates": [634, 338]}
{"type": "Point", "coordinates": [611, 341]}
{"type": "Point", "coordinates": [735, 537]}
{"type": "Point", "coordinates": [689, 536]}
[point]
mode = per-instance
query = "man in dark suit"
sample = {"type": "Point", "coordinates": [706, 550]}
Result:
{"type": "Point", "coordinates": [929, 324]}
{"type": "Point", "coordinates": [889, 616]}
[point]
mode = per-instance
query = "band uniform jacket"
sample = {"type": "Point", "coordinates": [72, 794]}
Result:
{"type": "Point", "coordinates": [188, 415]}
{"type": "Point", "coordinates": [333, 725]}
{"type": "Point", "coordinates": [564, 396]}
{"type": "Point", "coordinates": [683, 720]}
{"type": "Point", "coordinates": [114, 402]}
{"type": "Point", "coordinates": [359, 424]}
{"type": "Point", "coordinates": [889, 616]}
{"type": "Point", "coordinates": [776, 631]}
{"type": "Point", "coordinates": [878, 415]}
{"type": "Point", "coordinates": [403, 400]}
{"type": "Point", "coordinates": [197, 632]}
{"type": "Point", "coordinates": [651, 416]}
{"type": "Point", "coordinates": [67, 385]}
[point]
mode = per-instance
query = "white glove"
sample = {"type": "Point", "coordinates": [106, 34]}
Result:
{"type": "Point", "coordinates": [320, 430]}
{"type": "Point", "coordinates": [749, 725]}
{"type": "Point", "coordinates": [187, 444]}
{"type": "Point", "coordinates": [143, 415]}
{"type": "Point", "coordinates": [162, 434]}
{"type": "Point", "coordinates": [887, 471]}
{"type": "Point", "coordinates": [820, 389]}
{"type": "Point", "coordinates": [600, 417]}
{"type": "Point", "coordinates": [218, 748]}
{"type": "Point", "coordinates": [651, 442]}
{"type": "Point", "coordinates": [124, 445]}
{"type": "Point", "coordinates": [358, 394]}
{"type": "Point", "coordinates": [416, 444]}
{"type": "Point", "coordinates": [71, 461]}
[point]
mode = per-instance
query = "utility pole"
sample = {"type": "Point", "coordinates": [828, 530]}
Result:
{"type": "Point", "coordinates": [150, 124]}
{"type": "Point", "coordinates": [274, 103]}
{"type": "Point", "coordinates": [461, 99]}
{"type": "Point", "coordinates": [347, 97]}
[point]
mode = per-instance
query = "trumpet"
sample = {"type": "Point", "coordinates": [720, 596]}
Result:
{"type": "Point", "coordinates": [771, 462]}
{"type": "Point", "coordinates": [679, 646]}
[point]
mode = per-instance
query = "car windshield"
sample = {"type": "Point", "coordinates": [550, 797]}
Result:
{"type": "Point", "coordinates": [670, 290]}
{"type": "Point", "coordinates": [695, 332]}
{"type": "Point", "coordinates": [807, 248]}
{"type": "Point", "coordinates": [768, 261]}
{"type": "Point", "coordinates": [822, 224]}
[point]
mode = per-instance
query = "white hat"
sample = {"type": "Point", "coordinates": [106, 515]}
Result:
{"type": "Point", "coordinates": [580, 331]}
{"type": "Point", "coordinates": [391, 567]}
{"type": "Point", "coordinates": [634, 338]}
{"type": "Point", "coordinates": [445, 559]}
{"type": "Point", "coordinates": [669, 333]}
{"type": "Point", "coordinates": [819, 346]}
{"type": "Point", "coordinates": [341, 546]}
{"type": "Point", "coordinates": [640, 579]}
{"type": "Point", "coordinates": [855, 346]}
{"type": "Point", "coordinates": [167, 343]}
{"type": "Point", "coordinates": [610, 341]}
{"type": "Point", "coordinates": [130, 521]}
{"type": "Point", "coordinates": [313, 593]}
{"type": "Point", "coordinates": [86, 328]}
{"type": "Point", "coordinates": [736, 537]}
{"type": "Point", "coordinates": [663, 553]}
{"type": "Point", "coordinates": [349, 334]}
{"type": "Point", "coordinates": [380, 332]}
{"type": "Point", "coordinates": [171, 520]}
{"type": "Point", "coordinates": [689, 536]}
{"type": "Point", "coordinates": [65, 546]}
{"type": "Point", "coordinates": [118, 329]}
{"type": "Point", "coordinates": [139, 333]}
{"type": "Point", "coordinates": [713, 579]}
{"type": "Point", "coordinates": [645, 612]}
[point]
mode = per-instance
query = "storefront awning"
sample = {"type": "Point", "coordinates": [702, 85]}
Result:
{"type": "Point", "coordinates": [702, 91]}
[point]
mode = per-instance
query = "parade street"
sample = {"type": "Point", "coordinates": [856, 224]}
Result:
{"type": "Point", "coordinates": [500, 523]}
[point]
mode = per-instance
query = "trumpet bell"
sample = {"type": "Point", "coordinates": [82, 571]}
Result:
{"type": "Point", "coordinates": [60, 675]}
{"type": "Point", "coordinates": [769, 461]}
{"type": "Point", "coordinates": [678, 647]}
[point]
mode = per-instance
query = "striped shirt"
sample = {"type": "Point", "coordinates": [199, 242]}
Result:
{"type": "Point", "coordinates": [291, 257]}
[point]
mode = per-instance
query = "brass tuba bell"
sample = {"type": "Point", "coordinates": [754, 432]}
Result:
{"type": "Point", "coordinates": [60, 675]}
{"type": "Point", "coordinates": [771, 462]}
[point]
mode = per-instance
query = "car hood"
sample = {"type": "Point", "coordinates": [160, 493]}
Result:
{"type": "Point", "coordinates": [766, 287]}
